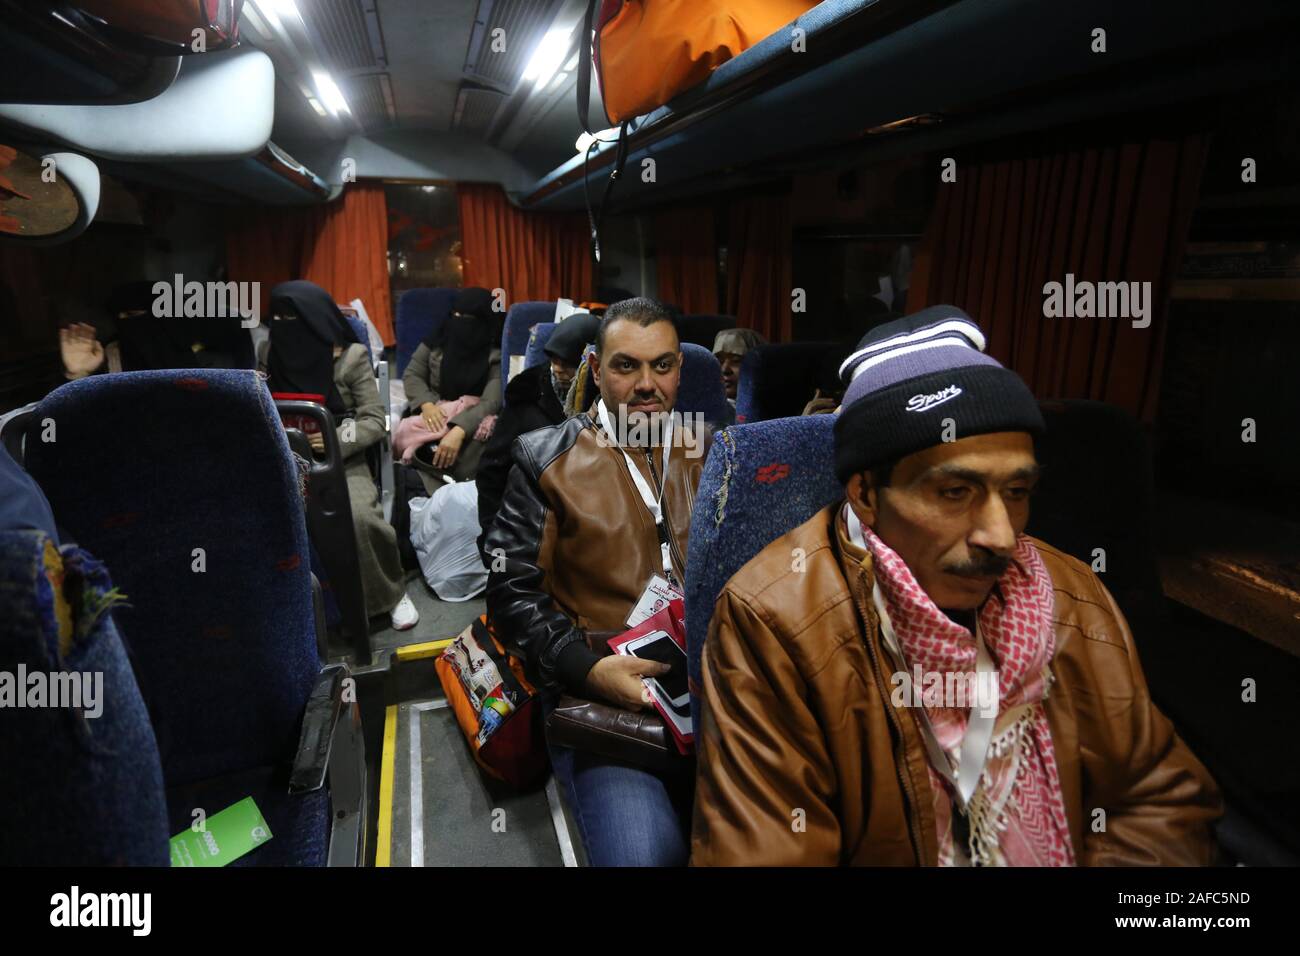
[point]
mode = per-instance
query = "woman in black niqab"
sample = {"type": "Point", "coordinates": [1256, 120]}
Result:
{"type": "Point", "coordinates": [306, 325]}
{"type": "Point", "coordinates": [466, 340]}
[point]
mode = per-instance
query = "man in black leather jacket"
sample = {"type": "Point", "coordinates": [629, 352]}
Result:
{"type": "Point", "coordinates": [570, 554]}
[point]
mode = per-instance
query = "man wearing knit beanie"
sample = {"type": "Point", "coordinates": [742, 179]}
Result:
{"type": "Point", "coordinates": [907, 678]}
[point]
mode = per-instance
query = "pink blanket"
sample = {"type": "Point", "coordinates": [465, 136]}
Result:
{"type": "Point", "coordinates": [412, 432]}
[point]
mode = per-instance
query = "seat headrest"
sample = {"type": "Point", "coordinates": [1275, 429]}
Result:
{"type": "Point", "coordinates": [776, 381]}
{"type": "Point", "coordinates": [701, 390]}
{"type": "Point", "coordinates": [759, 482]}
{"type": "Point", "coordinates": [541, 334]}
{"type": "Point", "coordinates": [521, 317]}
{"type": "Point", "coordinates": [419, 312]}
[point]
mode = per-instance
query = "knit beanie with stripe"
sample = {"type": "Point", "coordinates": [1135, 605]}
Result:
{"type": "Point", "coordinates": [909, 376]}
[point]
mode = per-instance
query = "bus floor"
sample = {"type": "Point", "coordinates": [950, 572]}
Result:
{"type": "Point", "coordinates": [429, 803]}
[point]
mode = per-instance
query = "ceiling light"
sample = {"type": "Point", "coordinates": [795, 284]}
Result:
{"type": "Point", "coordinates": [274, 12]}
{"type": "Point", "coordinates": [546, 59]}
{"type": "Point", "coordinates": [315, 104]}
{"type": "Point", "coordinates": [330, 93]}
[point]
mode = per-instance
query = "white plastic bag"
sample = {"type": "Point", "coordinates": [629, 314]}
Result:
{"type": "Point", "coordinates": [396, 398]}
{"type": "Point", "coordinates": [372, 333]}
{"type": "Point", "coordinates": [444, 532]}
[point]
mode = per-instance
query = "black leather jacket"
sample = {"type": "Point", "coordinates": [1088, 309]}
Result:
{"type": "Point", "coordinates": [573, 545]}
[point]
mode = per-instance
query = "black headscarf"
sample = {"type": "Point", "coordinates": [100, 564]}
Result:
{"type": "Point", "coordinates": [466, 340]}
{"type": "Point", "coordinates": [571, 337]}
{"type": "Point", "coordinates": [148, 341]}
{"type": "Point", "coordinates": [302, 347]}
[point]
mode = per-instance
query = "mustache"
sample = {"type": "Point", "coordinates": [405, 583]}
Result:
{"type": "Point", "coordinates": [982, 565]}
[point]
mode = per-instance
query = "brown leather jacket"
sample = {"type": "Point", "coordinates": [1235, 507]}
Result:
{"type": "Point", "coordinates": [573, 545]}
{"type": "Point", "coordinates": [797, 717]}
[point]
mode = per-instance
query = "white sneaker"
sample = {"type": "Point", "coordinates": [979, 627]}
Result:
{"type": "Point", "coordinates": [404, 616]}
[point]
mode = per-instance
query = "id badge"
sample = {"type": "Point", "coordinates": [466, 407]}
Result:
{"type": "Point", "coordinates": [656, 596]}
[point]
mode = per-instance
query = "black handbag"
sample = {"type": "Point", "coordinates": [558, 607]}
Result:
{"type": "Point", "coordinates": [638, 738]}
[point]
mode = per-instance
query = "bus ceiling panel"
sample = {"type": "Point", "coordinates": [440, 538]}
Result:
{"type": "Point", "coordinates": [272, 177]}
{"type": "Point", "coordinates": [221, 106]}
{"type": "Point", "coordinates": [961, 59]}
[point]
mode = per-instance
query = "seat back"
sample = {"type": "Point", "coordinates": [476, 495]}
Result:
{"type": "Point", "coordinates": [703, 329]}
{"type": "Point", "coordinates": [183, 484]}
{"type": "Point", "coordinates": [82, 786]}
{"type": "Point", "coordinates": [360, 333]}
{"type": "Point", "coordinates": [541, 334]}
{"type": "Point", "coordinates": [419, 312]}
{"type": "Point", "coordinates": [759, 482]}
{"type": "Point", "coordinates": [515, 335]}
{"type": "Point", "coordinates": [776, 381]}
{"type": "Point", "coordinates": [701, 390]}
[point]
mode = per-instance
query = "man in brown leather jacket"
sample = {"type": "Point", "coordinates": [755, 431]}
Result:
{"type": "Point", "coordinates": [570, 554]}
{"type": "Point", "coordinates": [907, 678]}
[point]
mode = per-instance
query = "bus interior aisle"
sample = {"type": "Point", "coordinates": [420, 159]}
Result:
{"type": "Point", "coordinates": [649, 433]}
{"type": "Point", "coordinates": [448, 812]}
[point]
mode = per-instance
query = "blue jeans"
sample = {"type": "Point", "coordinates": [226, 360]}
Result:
{"type": "Point", "coordinates": [626, 816]}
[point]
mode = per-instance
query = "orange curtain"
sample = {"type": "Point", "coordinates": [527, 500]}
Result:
{"type": "Point", "coordinates": [1008, 226]}
{"type": "Point", "coordinates": [533, 256]}
{"type": "Point", "coordinates": [264, 245]}
{"type": "Point", "coordinates": [759, 247]}
{"type": "Point", "coordinates": [346, 253]}
{"type": "Point", "coordinates": [686, 259]}
{"type": "Point", "coordinates": [341, 246]}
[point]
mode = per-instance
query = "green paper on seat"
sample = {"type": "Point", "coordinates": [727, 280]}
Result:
{"type": "Point", "coordinates": [226, 837]}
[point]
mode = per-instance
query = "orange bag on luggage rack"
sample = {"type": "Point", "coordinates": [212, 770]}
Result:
{"type": "Point", "coordinates": [648, 51]}
{"type": "Point", "coordinates": [495, 705]}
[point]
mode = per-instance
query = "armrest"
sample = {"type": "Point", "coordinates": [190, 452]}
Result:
{"type": "Point", "coordinates": [325, 418]}
{"type": "Point", "coordinates": [299, 443]}
{"type": "Point", "coordinates": [334, 747]}
{"type": "Point", "coordinates": [317, 736]}
{"type": "Point", "coordinates": [13, 429]}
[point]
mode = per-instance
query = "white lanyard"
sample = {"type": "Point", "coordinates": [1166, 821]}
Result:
{"type": "Point", "coordinates": [648, 496]}
{"type": "Point", "coordinates": [979, 725]}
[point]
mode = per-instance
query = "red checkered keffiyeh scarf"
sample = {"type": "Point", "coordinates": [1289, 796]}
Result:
{"type": "Point", "coordinates": [1017, 814]}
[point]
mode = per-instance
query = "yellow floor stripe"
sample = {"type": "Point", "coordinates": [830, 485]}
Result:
{"type": "Point", "coordinates": [416, 652]}
{"type": "Point", "coordinates": [384, 847]}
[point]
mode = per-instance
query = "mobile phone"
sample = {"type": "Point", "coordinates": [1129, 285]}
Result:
{"type": "Point", "coordinates": [659, 646]}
